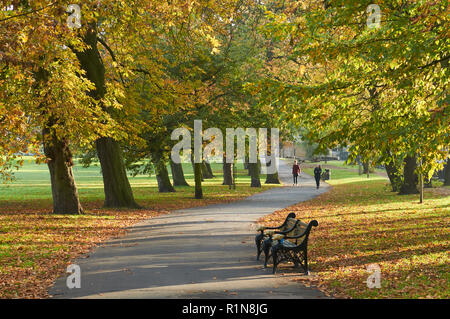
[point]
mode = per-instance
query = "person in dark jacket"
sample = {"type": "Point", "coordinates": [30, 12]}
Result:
{"type": "Point", "coordinates": [317, 174]}
{"type": "Point", "coordinates": [295, 172]}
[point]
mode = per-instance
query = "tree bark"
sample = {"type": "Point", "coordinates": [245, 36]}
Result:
{"type": "Point", "coordinates": [206, 173]}
{"type": "Point", "coordinates": [118, 192]}
{"type": "Point", "coordinates": [117, 188]}
{"type": "Point", "coordinates": [393, 173]}
{"type": "Point", "coordinates": [193, 167]}
{"type": "Point", "coordinates": [447, 173]}
{"type": "Point", "coordinates": [227, 173]}
{"type": "Point", "coordinates": [64, 189]}
{"type": "Point", "coordinates": [366, 167]}
{"type": "Point", "coordinates": [162, 176]}
{"type": "Point", "coordinates": [209, 169]}
{"type": "Point", "coordinates": [178, 174]}
{"type": "Point", "coordinates": [272, 178]}
{"type": "Point", "coordinates": [421, 188]}
{"type": "Point", "coordinates": [198, 180]}
{"type": "Point", "coordinates": [410, 179]}
{"type": "Point", "coordinates": [246, 162]}
{"type": "Point", "coordinates": [59, 160]}
{"type": "Point", "coordinates": [253, 168]}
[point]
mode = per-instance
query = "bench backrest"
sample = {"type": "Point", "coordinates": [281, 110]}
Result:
{"type": "Point", "coordinates": [295, 228]}
{"type": "Point", "coordinates": [290, 222]}
{"type": "Point", "coordinates": [299, 228]}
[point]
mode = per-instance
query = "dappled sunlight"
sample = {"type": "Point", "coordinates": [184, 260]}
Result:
{"type": "Point", "coordinates": [362, 222]}
{"type": "Point", "coordinates": [36, 245]}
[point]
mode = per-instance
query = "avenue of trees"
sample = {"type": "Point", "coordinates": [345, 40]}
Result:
{"type": "Point", "coordinates": [116, 88]}
{"type": "Point", "coordinates": [381, 90]}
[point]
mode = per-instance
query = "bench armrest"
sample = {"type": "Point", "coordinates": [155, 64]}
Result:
{"type": "Point", "coordinates": [283, 232]}
{"type": "Point", "coordinates": [278, 237]}
{"type": "Point", "coordinates": [269, 231]}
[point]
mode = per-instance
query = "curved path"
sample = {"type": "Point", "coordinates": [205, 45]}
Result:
{"type": "Point", "coordinates": [205, 252]}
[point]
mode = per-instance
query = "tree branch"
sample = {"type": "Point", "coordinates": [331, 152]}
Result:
{"type": "Point", "coordinates": [29, 12]}
{"type": "Point", "coordinates": [435, 62]}
{"type": "Point", "coordinates": [113, 56]}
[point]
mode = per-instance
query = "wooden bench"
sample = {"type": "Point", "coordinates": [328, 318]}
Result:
{"type": "Point", "coordinates": [267, 232]}
{"type": "Point", "coordinates": [292, 245]}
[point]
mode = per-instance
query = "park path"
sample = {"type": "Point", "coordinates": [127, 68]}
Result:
{"type": "Point", "coordinates": [203, 252]}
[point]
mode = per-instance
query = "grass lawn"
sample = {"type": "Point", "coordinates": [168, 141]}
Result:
{"type": "Point", "coordinates": [36, 246]}
{"type": "Point", "coordinates": [362, 222]}
{"type": "Point", "coordinates": [32, 190]}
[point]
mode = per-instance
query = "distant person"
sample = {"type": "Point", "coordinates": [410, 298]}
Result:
{"type": "Point", "coordinates": [317, 174]}
{"type": "Point", "coordinates": [295, 172]}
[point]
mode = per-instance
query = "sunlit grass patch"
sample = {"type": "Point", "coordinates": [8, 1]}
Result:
{"type": "Point", "coordinates": [36, 246]}
{"type": "Point", "coordinates": [361, 223]}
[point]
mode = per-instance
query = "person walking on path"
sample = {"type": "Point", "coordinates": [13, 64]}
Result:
{"type": "Point", "coordinates": [317, 174]}
{"type": "Point", "coordinates": [295, 172]}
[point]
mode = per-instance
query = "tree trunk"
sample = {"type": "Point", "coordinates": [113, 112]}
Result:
{"type": "Point", "coordinates": [209, 169]}
{"type": "Point", "coordinates": [447, 173]}
{"type": "Point", "coordinates": [162, 176]}
{"type": "Point", "coordinates": [206, 173]}
{"type": "Point", "coordinates": [227, 173]}
{"type": "Point", "coordinates": [64, 189]}
{"type": "Point", "coordinates": [254, 174]}
{"type": "Point", "coordinates": [178, 174]}
{"type": "Point", "coordinates": [198, 180]}
{"type": "Point", "coordinates": [410, 179]}
{"type": "Point", "coordinates": [272, 178]}
{"type": "Point", "coordinates": [366, 167]}
{"type": "Point", "coordinates": [393, 173]}
{"type": "Point", "coordinates": [117, 188]}
{"type": "Point", "coordinates": [193, 167]}
{"type": "Point", "coordinates": [421, 187]}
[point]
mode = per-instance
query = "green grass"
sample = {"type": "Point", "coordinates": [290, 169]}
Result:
{"type": "Point", "coordinates": [362, 222]}
{"type": "Point", "coordinates": [36, 246]}
{"type": "Point", "coordinates": [32, 188]}
{"type": "Point", "coordinates": [342, 164]}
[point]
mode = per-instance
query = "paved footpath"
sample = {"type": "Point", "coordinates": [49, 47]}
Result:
{"type": "Point", "coordinates": [205, 252]}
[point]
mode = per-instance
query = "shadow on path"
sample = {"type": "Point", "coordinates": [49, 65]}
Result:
{"type": "Point", "coordinates": [204, 252]}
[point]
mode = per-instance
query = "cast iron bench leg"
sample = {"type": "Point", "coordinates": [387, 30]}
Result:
{"type": "Point", "coordinates": [275, 260]}
{"type": "Point", "coordinates": [306, 261]}
{"type": "Point", "coordinates": [258, 240]}
{"type": "Point", "coordinates": [267, 244]}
